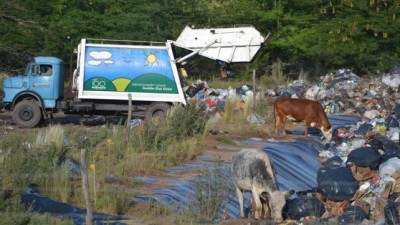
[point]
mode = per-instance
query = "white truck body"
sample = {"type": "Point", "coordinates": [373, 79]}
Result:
{"type": "Point", "coordinates": [111, 71]}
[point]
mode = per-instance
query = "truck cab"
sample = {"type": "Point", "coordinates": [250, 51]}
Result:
{"type": "Point", "coordinates": [36, 92]}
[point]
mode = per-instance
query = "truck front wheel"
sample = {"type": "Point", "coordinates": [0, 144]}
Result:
{"type": "Point", "coordinates": [27, 114]}
{"type": "Point", "coordinates": [158, 109]}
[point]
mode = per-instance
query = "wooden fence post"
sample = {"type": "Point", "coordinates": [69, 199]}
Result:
{"type": "Point", "coordinates": [128, 121]}
{"type": "Point", "coordinates": [85, 187]}
{"type": "Point", "coordinates": [254, 92]}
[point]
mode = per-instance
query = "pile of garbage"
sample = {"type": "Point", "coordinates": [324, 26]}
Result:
{"type": "Point", "coordinates": [359, 177]}
{"type": "Point", "coordinates": [214, 100]}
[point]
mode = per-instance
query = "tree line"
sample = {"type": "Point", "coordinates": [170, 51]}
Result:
{"type": "Point", "coordinates": [314, 36]}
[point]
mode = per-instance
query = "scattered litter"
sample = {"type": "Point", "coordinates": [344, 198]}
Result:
{"type": "Point", "coordinates": [255, 119]}
{"type": "Point", "coordinates": [135, 122]}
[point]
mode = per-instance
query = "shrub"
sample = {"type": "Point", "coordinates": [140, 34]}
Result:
{"type": "Point", "coordinates": [157, 134]}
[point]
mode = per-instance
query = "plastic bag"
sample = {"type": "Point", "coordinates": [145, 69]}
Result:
{"type": "Point", "coordinates": [365, 157]}
{"type": "Point", "coordinates": [391, 121]}
{"type": "Point", "coordinates": [191, 91]}
{"type": "Point", "coordinates": [390, 167]}
{"type": "Point", "coordinates": [392, 213]}
{"type": "Point", "coordinates": [390, 148]}
{"type": "Point", "coordinates": [333, 162]}
{"type": "Point", "coordinates": [363, 129]}
{"type": "Point", "coordinates": [397, 110]}
{"type": "Point", "coordinates": [339, 134]}
{"type": "Point", "coordinates": [312, 92]}
{"type": "Point", "coordinates": [255, 119]}
{"type": "Point", "coordinates": [394, 196]}
{"type": "Point", "coordinates": [303, 206]}
{"type": "Point", "coordinates": [352, 214]}
{"type": "Point", "coordinates": [371, 114]}
{"type": "Point", "coordinates": [135, 122]}
{"type": "Point", "coordinates": [337, 184]}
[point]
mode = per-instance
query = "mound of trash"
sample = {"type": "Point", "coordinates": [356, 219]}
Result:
{"type": "Point", "coordinates": [358, 176]}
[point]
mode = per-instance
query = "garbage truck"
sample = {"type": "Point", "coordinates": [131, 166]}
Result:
{"type": "Point", "coordinates": [109, 73]}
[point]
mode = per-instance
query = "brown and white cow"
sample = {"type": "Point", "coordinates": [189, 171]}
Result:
{"type": "Point", "coordinates": [253, 171]}
{"type": "Point", "coordinates": [298, 110]}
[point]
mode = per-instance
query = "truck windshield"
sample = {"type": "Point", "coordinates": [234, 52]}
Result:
{"type": "Point", "coordinates": [27, 69]}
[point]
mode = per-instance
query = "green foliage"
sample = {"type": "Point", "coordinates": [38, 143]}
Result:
{"type": "Point", "coordinates": [115, 198]}
{"type": "Point", "coordinates": [314, 36]}
{"type": "Point", "coordinates": [187, 122]}
{"type": "Point", "coordinates": [181, 124]}
{"type": "Point", "coordinates": [332, 34]}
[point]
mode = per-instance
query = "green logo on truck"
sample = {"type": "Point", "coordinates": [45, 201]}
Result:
{"type": "Point", "coordinates": [148, 83]}
{"type": "Point", "coordinates": [99, 84]}
{"type": "Point", "coordinates": [152, 83]}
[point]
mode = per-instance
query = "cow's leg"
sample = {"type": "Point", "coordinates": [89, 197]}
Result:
{"type": "Point", "coordinates": [253, 207]}
{"type": "Point", "coordinates": [308, 124]}
{"type": "Point", "coordinates": [283, 125]}
{"type": "Point", "coordinates": [239, 195]}
{"type": "Point", "coordinates": [256, 197]}
{"type": "Point", "coordinates": [265, 213]}
{"type": "Point", "coordinates": [279, 124]}
{"type": "Point", "coordinates": [266, 208]}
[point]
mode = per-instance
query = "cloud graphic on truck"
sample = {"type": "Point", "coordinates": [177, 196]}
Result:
{"type": "Point", "coordinates": [94, 62]}
{"type": "Point", "coordinates": [100, 57]}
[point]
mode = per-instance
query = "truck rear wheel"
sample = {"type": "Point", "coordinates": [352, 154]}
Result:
{"type": "Point", "coordinates": [158, 109]}
{"type": "Point", "coordinates": [27, 114]}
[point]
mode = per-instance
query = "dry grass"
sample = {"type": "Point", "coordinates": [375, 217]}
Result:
{"type": "Point", "coordinates": [234, 119]}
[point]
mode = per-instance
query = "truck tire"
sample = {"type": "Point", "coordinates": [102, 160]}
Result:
{"type": "Point", "coordinates": [27, 114]}
{"type": "Point", "coordinates": [157, 109]}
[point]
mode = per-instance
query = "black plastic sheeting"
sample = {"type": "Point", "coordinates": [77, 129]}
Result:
{"type": "Point", "coordinates": [296, 164]}
{"type": "Point", "coordinates": [42, 204]}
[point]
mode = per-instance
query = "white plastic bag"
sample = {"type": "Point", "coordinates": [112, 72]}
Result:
{"type": "Point", "coordinates": [390, 167]}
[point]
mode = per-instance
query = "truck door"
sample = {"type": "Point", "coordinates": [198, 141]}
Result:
{"type": "Point", "coordinates": [41, 80]}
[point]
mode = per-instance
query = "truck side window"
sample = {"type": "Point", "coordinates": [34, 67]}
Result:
{"type": "Point", "coordinates": [46, 70]}
{"type": "Point", "coordinates": [35, 70]}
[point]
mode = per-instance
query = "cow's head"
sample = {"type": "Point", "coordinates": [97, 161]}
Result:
{"type": "Point", "coordinates": [327, 131]}
{"type": "Point", "coordinates": [277, 201]}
